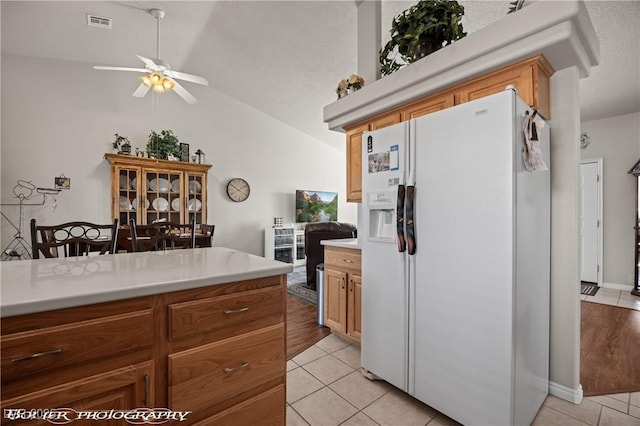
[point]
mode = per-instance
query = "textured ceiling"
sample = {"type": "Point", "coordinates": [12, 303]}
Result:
{"type": "Point", "coordinates": [285, 58]}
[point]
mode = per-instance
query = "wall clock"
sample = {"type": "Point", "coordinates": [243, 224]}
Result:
{"type": "Point", "coordinates": [238, 189]}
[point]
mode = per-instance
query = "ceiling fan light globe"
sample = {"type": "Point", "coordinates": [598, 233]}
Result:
{"type": "Point", "coordinates": [146, 80]}
{"type": "Point", "coordinates": [155, 78]}
{"type": "Point", "coordinates": [159, 88]}
{"type": "Point", "coordinates": [168, 84]}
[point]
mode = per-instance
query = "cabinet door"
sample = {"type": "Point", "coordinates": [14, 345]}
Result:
{"type": "Point", "coordinates": [126, 192]}
{"type": "Point", "coordinates": [335, 309]}
{"type": "Point", "coordinates": [196, 197]}
{"type": "Point", "coordinates": [162, 190]}
{"type": "Point", "coordinates": [428, 106]}
{"type": "Point", "coordinates": [223, 373]}
{"type": "Point", "coordinates": [386, 120]}
{"type": "Point", "coordinates": [354, 314]}
{"type": "Point", "coordinates": [354, 163]}
{"type": "Point", "coordinates": [121, 389]}
{"type": "Point", "coordinates": [529, 77]}
{"type": "Point", "coordinates": [265, 409]}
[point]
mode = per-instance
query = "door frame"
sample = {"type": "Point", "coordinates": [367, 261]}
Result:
{"type": "Point", "coordinates": [599, 188]}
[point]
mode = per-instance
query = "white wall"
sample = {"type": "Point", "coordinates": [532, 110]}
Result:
{"type": "Point", "coordinates": [59, 117]}
{"type": "Point", "coordinates": [617, 141]}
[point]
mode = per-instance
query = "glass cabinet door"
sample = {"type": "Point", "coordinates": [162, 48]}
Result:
{"type": "Point", "coordinates": [196, 198]}
{"type": "Point", "coordinates": [128, 195]}
{"type": "Point", "coordinates": [163, 196]}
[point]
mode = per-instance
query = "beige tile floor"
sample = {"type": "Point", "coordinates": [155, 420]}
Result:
{"type": "Point", "coordinates": [325, 387]}
{"type": "Point", "coordinates": [613, 297]}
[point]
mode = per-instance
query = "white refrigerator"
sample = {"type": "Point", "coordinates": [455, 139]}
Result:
{"type": "Point", "coordinates": [456, 261]}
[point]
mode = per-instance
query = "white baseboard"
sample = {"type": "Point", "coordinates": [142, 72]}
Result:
{"type": "Point", "coordinates": [572, 395]}
{"type": "Point", "coordinates": [623, 287]}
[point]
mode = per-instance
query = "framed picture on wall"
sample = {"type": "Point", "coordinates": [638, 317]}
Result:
{"type": "Point", "coordinates": [184, 152]}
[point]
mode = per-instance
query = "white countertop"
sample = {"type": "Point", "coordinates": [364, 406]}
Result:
{"type": "Point", "coordinates": [351, 243]}
{"type": "Point", "coordinates": [30, 286]}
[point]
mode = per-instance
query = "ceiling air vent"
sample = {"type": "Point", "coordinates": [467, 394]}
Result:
{"type": "Point", "coordinates": [98, 21]}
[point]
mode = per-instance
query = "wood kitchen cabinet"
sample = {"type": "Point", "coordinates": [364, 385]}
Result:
{"type": "Point", "coordinates": [343, 291]}
{"type": "Point", "coordinates": [217, 351]}
{"type": "Point", "coordinates": [89, 358]}
{"type": "Point", "coordinates": [354, 162]}
{"type": "Point", "coordinates": [146, 190]}
{"type": "Point", "coordinates": [530, 78]}
{"type": "Point", "coordinates": [121, 389]}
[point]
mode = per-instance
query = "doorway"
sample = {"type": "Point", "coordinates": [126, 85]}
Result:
{"type": "Point", "coordinates": [591, 221]}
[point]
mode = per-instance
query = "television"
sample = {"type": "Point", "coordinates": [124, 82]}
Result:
{"type": "Point", "coordinates": [316, 206]}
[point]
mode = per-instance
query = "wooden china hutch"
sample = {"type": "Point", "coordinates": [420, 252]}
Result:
{"type": "Point", "coordinates": [147, 190]}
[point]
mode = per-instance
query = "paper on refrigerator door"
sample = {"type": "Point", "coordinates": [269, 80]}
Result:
{"type": "Point", "coordinates": [384, 161]}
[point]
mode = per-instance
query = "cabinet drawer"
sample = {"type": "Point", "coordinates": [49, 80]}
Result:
{"type": "Point", "coordinates": [342, 258]}
{"type": "Point", "coordinates": [268, 408]}
{"type": "Point", "coordinates": [229, 315]}
{"type": "Point", "coordinates": [206, 376]}
{"type": "Point", "coordinates": [40, 350]}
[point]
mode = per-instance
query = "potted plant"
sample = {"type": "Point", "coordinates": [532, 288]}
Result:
{"type": "Point", "coordinates": [355, 82]}
{"type": "Point", "coordinates": [343, 85]}
{"type": "Point", "coordinates": [121, 145]}
{"type": "Point", "coordinates": [163, 145]}
{"type": "Point", "coordinates": [420, 30]}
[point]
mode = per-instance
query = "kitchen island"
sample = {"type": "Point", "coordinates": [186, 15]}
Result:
{"type": "Point", "coordinates": [199, 331]}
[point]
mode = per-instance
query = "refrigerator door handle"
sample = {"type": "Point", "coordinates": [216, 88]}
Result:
{"type": "Point", "coordinates": [402, 244]}
{"type": "Point", "coordinates": [411, 235]}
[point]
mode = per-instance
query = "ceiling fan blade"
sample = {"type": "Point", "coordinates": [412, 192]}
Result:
{"type": "Point", "coordinates": [187, 77]}
{"type": "Point", "coordinates": [141, 91]}
{"type": "Point", "coordinates": [148, 62]}
{"type": "Point", "coordinates": [98, 67]}
{"type": "Point", "coordinates": [182, 92]}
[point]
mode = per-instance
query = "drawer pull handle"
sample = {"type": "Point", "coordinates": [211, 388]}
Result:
{"type": "Point", "coordinates": [228, 370]}
{"type": "Point", "coordinates": [146, 390]}
{"type": "Point", "coordinates": [38, 355]}
{"type": "Point", "coordinates": [235, 311]}
{"type": "Point", "coordinates": [348, 260]}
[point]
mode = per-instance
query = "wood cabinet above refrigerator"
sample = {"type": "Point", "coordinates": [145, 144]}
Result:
{"type": "Point", "coordinates": [529, 77]}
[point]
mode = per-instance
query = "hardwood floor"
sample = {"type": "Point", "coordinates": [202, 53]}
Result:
{"type": "Point", "coordinates": [302, 331]}
{"type": "Point", "coordinates": [609, 349]}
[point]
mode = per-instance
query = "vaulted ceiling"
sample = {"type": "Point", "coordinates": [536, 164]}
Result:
{"type": "Point", "coordinates": [284, 58]}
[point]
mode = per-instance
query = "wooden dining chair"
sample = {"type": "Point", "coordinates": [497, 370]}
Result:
{"type": "Point", "coordinates": [204, 238]}
{"type": "Point", "coordinates": [162, 236]}
{"type": "Point", "coordinates": [73, 239]}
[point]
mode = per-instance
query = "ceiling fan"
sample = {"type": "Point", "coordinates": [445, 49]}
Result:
{"type": "Point", "coordinates": [158, 74]}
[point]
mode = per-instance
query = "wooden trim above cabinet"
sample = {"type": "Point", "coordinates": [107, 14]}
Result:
{"type": "Point", "coordinates": [530, 78]}
{"type": "Point", "coordinates": [152, 163]}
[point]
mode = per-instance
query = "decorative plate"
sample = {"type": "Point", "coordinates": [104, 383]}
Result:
{"type": "Point", "coordinates": [194, 186]}
{"type": "Point", "coordinates": [134, 204]}
{"type": "Point", "coordinates": [160, 204]}
{"type": "Point", "coordinates": [160, 185]}
{"type": "Point", "coordinates": [124, 203]}
{"type": "Point", "coordinates": [124, 182]}
{"type": "Point", "coordinates": [194, 205]}
{"type": "Point", "coordinates": [175, 204]}
{"type": "Point", "coordinates": [134, 183]}
{"type": "Point", "coordinates": [175, 185]}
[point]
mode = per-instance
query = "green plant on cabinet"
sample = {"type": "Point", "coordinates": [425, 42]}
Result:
{"type": "Point", "coordinates": [420, 30]}
{"type": "Point", "coordinates": [163, 145]}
